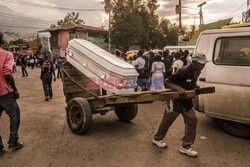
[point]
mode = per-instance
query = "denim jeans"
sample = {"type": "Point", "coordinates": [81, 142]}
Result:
{"type": "Point", "coordinates": [9, 105]}
{"type": "Point", "coordinates": [47, 88]}
{"type": "Point", "coordinates": [24, 71]}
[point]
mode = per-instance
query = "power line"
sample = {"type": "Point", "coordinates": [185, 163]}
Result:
{"type": "Point", "coordinates": [50, 7]}
{"type": "Point", "coordinates": [25, 18]}
{"type": "Point", "coordinates": [189, 8]}
{"type": "Point", "coordinates": [234, 11]}
{"type": "Point", "coordinates": [3, 25]}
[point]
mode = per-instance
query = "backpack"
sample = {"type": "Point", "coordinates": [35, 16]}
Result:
{"type": "Point", "coordinates": [46, 67]}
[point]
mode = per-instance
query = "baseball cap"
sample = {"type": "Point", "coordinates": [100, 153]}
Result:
{"type": "Point", "coordinates": [200, 58]}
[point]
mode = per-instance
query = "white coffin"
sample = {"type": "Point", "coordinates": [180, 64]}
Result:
{"type": "Point", "coordinates": [109, 72]}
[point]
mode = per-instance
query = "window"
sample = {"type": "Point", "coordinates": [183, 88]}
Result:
{"type": "Point", "coordinates": [233, 51]}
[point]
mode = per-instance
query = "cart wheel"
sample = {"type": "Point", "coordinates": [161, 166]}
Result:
{"type": "Point", "coordinates": [126, 112]}
{"type": "Point", "coordinates": [79, 115]}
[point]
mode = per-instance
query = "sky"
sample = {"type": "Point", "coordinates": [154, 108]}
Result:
{"type": "Point", "coordinates": [214, 10]}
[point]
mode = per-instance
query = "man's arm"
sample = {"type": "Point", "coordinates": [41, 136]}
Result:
{"type": "Point", "coordinates": [177, 77]}
{"type": "Point", "coordinates": [10, 80]}
{"type": "Point", "coordinates": [7, 73]}
{"type": "Point", "coordinates": [171, 85]}
{"type": "Point", "coordinates": [53, 70]}
{"type": "Point", "coordinates": [136, 67]}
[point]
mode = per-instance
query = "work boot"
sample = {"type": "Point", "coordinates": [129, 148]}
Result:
{"type": "Point", "coordinates": [16, 146]}
{"type": "Point", "coordinates": [46, 98]}
{"type": "Point", "coordinates": [189, 152]}
{"type": "Point", "coordinates": [160, 143]}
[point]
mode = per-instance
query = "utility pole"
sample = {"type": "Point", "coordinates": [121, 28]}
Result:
{"type": "Point", "coordinates": [201, 13]}
{"type": "Point", "coordinates": [109, 32]}
{"type": "Point", "coordinates": [180, 14]}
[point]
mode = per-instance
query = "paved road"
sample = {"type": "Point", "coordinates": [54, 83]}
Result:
{"type": "Point", "coordinates": [109, 143]}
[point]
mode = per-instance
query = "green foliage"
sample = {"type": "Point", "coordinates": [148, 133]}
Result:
{"type": "Point", "coordinates": [17, 42]}
{"type": "Point", "coordinates": [71, 18]}
{"type": "Point", "coordinates": [134, 22]}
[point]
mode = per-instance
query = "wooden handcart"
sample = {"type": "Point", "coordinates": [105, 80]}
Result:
{"type": "Point", "coordinates": [83, 102]}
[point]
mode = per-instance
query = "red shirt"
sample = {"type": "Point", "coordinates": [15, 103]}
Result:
{"type": "Point", "coordinates": [6, 64]}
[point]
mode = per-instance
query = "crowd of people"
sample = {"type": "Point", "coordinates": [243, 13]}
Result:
{"type": "Point", "coordinates": [32, 62]}
{"type": "Point", "coordinates": [9, 93]}
{"type": "Point", "coordinates": [178, 71]}
{"type": "Point", "coordinates": [155, 67]}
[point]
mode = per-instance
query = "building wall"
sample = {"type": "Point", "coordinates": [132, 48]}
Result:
{"type": "Point", "coordinates": [78, 34]}
{"type": "Point", "coordinates": [60, 39]}
{"type": "Point", "coordinates": [83, 35]}
{"type": "Point", "coordinates": [63, 39]}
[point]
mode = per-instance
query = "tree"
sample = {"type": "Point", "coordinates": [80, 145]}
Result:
{"type": "Point", "coordinates": [134, 22]}
{"type": "Point", "coordinates": [70, 18]}
{"type": "Point", "coordinates": [169, 33]}
{"type": "Point", "coordinates": [19, 41]}
{"type": "Point", "coordinates": [108, 5]}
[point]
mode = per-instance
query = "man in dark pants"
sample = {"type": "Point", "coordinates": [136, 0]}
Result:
{"type": "Point", "coordinates": [46, 76]}
{"type": "Point", "coordinates": [23, 65]}
{"type": "Point", "coordinates": [184, 79]}
{"type": "Point", "coordinates": [8, 96]}
{"type": "Point", "coordinates": [139, 66]}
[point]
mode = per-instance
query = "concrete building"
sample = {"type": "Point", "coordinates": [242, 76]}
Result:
{"type": "Point", "coordinates": [60, 36]}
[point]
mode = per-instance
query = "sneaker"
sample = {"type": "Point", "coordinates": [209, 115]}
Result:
{"type": "Point", "coordinates": [189, 152]}
{"type": "Point", "coordinates": [160, 143]}
{"type": "Point", "coordinates": [16, 146]}
{"type": "Point", "coordinates": [3, 152]}
{"type": "Point", "coordinates": [46, 99]}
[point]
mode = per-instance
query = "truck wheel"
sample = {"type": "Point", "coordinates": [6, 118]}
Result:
{"type": "Point", "coordinates": [126, 112]}
{"type": "Point", "coordinates": [236, 129]}
{"type": "Point", "coordinates": [79, 115]}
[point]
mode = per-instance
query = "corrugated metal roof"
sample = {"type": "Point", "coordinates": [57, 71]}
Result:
{"type": "Point", "coordinates": [227, 30]}
{"type": "Point", "coordinates": [76, 27]}
{"type": "Point", "coordinates": [237, 25]}
{"type": "Point", "coordinates": [210, 26]}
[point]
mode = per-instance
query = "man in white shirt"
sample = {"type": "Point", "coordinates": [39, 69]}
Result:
{"type": "Point", "coordinates": [178, 63]}
{"type": "Point", "coordinates": [139, 66]}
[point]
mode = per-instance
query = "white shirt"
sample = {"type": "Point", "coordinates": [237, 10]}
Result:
{"type": "Point", "coordinates": [158, 67]}
{"type": "Point", "coordinates": [133, 63]}
{"type": "Point", "coordinates": [177, 64]}
{"type": "Point", "coordinates": [140, 62]}
{"type": "Point", "coordinates": [189, 59]}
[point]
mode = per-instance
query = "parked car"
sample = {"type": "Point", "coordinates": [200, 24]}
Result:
{"type": "Point", "coordinates": [190, 48]}
{"type": "Point", "coordinates": [229, 72]}
{"type": "Point", "coordinates": [131, 53]}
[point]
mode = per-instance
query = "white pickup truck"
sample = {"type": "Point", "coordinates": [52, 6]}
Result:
{"type": "Point", "coordinates": [229, 72]}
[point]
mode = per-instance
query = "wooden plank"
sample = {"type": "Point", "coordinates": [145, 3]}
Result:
{"type": "Point", "coordinates": [69, 83]}
{"type": "Point", "coordinates": [143, 97]}
{"type": "Point", "coordinates": [78, 79]}
{"type": "Point", "coordinates": [70, 96]}
{"type": "Point", "coordinates": [74, 73]}
{"type": "Point", "coordinates": [75, 89]}
{"type": "Point", "coordinates": [147, 98]}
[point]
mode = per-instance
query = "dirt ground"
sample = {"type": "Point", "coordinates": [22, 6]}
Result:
{"type": "Point", "coordinates": [109, 143]}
